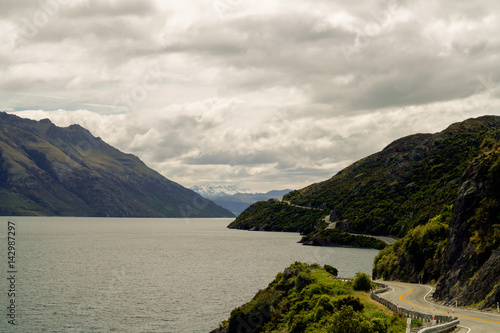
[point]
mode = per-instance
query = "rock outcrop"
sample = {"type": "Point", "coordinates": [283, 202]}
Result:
{"type": "Point", "coordinates": [471, 262]}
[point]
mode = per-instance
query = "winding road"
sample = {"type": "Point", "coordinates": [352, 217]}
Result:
{"type": "Point", "coordinates": [418, 298]}
{"type": "Point", "coordinates": [333, 225]}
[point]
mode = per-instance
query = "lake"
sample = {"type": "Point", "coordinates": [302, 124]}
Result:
{"type": "Point", "coordinates": [144, 275]}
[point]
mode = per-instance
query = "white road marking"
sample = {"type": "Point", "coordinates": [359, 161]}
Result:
{"type": "Point", "coordinates": [469, 329]}
{"type": "Point", "coordinates": [425, 297]}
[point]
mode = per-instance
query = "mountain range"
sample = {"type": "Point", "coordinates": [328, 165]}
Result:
{"type": "Point", "coordinates": [219, 189]}
{"type": "Point", "coordinates": [438, 193]}
{"type": "Point", "coordinates": [234, 197]}
{"type": "Point", "coordinates": [49, 170]}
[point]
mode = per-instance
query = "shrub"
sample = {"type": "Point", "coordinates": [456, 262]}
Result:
{"type": "Point", "coordinates": [341, 292]}
{"type": "Point", "coordinates": [348, 321]}
{"type": "Point", "coordinates": [303, 280]}
{"type": "Point", "coordinates": [379, 325]}
{"type": "Point", "coordinates": [355, 303]}
{"type": "Point", "coordinates": [362, 282]}
{"type": "Point", "coordinates": [332, 270]}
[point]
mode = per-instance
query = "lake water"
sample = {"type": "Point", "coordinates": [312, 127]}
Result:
{"type": "Point", "coordinates": [145, 275]}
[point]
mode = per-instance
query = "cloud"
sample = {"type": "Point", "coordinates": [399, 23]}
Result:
{"type": "Point", "coordinates": [267, 93]}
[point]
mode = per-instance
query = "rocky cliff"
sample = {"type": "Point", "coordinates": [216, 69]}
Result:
{"type": "Point", "coordinates": [460, 250]}
{"type": "Point", "coordinates": [49, 170]}
{"type": "Point", "coordinates": [471, 261]}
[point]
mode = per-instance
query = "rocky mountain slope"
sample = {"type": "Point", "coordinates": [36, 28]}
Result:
{"type": "Point", "coordinates": [403, 186]}
{"type": "Point", "coordinates": [470, 265]}
{"type": "Point", "coordinates": [48, 170]}
{"type": "Point", "coordinates": [460, 248]}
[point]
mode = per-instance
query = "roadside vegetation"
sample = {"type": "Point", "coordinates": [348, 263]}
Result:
{"type": "Point", "coordinates": [416, 256]}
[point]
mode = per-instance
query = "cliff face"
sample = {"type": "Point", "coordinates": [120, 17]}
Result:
{"type": "Point", "coordinates": [461, 249]}
{"type": "Point", "coordinates": [471, 262]}
{"type": "Point", "coordinates": [49, 170]}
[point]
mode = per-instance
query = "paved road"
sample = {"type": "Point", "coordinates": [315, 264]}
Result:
{"type": "Point", "coordinates": [388, 240]}
{"type": "Point", "coordinates": [417, 297]}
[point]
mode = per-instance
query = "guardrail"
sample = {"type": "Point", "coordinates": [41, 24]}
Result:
{"type": "Point", "coordinates": [445, 323]}
{"type": "Point", "coordinates": [446, 327]}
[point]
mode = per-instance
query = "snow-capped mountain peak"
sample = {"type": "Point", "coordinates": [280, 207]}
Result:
{"type": "Point", "coordinates": [219, 189]}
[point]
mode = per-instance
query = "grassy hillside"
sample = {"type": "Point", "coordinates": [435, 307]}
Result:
{"type": "Point", "coordinates": [306, 298]}
{"type": "Point", "coordinates": [274, 215]}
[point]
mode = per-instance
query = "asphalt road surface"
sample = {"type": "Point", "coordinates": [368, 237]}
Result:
{"type": "Point", "coordinates": [417, 297]}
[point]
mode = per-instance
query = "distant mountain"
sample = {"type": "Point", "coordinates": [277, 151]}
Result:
{"type": "Point", "coordinates": [237, 203]}
{"type": "Point", "coordinates": [234, 197]}
{"type": "Point", "coordinates": [49, 170]}
{"type": "Point", "coordinates": [219, 189]}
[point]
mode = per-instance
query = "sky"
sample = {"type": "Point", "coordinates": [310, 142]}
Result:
{"type": "Point", "coordinates": [268, 94]}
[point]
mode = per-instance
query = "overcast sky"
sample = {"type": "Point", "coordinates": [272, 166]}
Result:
{"type": "Point", "coordinates": [269, 94]}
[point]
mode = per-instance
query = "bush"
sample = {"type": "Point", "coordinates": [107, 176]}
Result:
{"type": "Point", "coordinates": [379, 325]}
{"type": "Point", "coordinates": [303, 280]}
{"type": "Point", "coordinates": [355, 303]}
{"type": "Point", "coordinates": [348, 321]}
{"type": "Point", "coordinates": [332, 270]}
{"type": "Point", "coordinates": [362, 282]}
{"type": "Point", "coordinates": [341, 292]}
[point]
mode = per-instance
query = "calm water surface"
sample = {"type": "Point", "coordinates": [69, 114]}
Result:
{"type": "Point", "coordinates": [145, 275]}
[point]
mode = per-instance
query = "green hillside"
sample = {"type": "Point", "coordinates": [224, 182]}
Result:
{"type": "Point", "coordinates": [404, 185]}
{"type": "Point", "coordinates": [306, 298]}
{"type": "Point", "coordinates": [274, 215]}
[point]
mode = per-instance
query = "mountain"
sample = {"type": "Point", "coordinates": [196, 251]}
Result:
{"type": "Point", "coordinates": [219, 189]}
{"type": "Point", "coordinates": [49, 170]}
{"type": "Point", "coordinates": [237, 203]}
{"type": "Point", "coordinates": [407, 183]}
{"type": "Point", "coordinates": [470, 265]}
{"type": "Point", "coordinates": [401, 187]}
{"type": "Point", "coordinates": [460, 248]}
{"type": "Point", "coordinates": [235, 198]}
